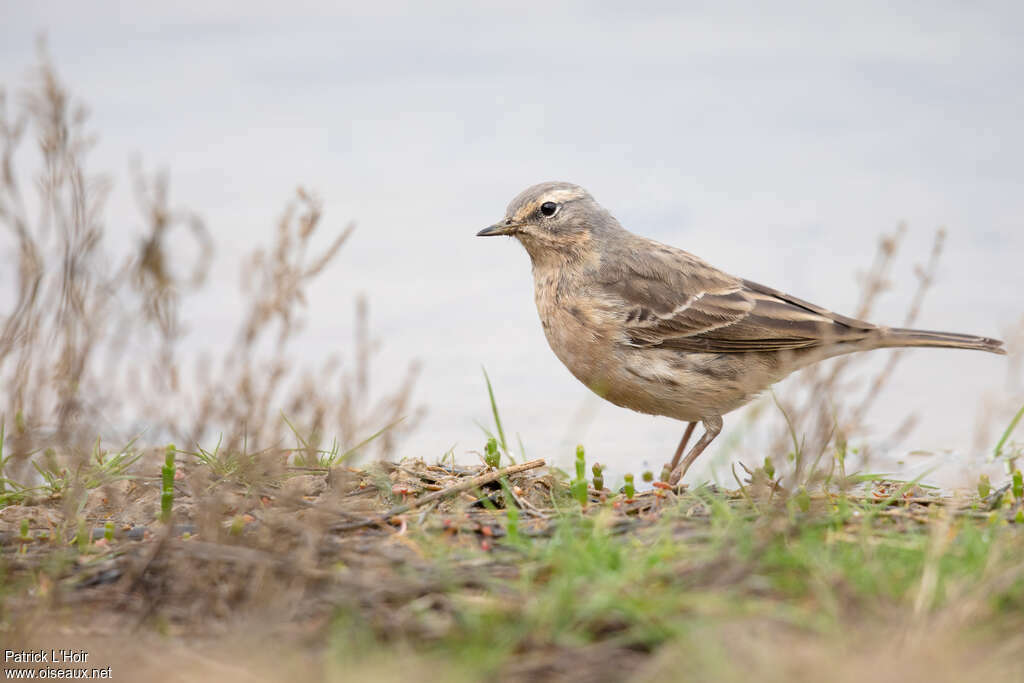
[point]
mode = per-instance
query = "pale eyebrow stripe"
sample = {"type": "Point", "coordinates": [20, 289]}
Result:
{"type": "Point", "coordinates": [552, 196]}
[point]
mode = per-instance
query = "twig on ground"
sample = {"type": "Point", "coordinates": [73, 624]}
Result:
{"type": "Point", "coordinates": [465, 485]}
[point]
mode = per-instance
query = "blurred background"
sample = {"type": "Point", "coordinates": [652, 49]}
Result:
{"type": "Point", "coordinates": [778, 145]}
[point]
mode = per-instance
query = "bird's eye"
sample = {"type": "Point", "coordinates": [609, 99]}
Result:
{"type": "Point", "coordinates": [548, 208]}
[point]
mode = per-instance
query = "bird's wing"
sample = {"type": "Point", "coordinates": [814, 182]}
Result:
{"type": "Point", "coordinates": [668, 298]}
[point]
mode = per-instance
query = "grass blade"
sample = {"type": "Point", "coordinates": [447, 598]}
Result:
{"type": "Point", "coordinates": [352, 451]}
{"type": "Point", "coordinates": [1009, 430]}
{"type": "Point", "coordinates": [494, 409]}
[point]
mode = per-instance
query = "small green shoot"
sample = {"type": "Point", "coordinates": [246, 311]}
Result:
{"type": "Point", "coordinates": [984, 486]}
{"type": "Point", "coordinates": [167, 473]}
{"type": "Point", "coordinates": [769, 467]}
{"type": "Point", "coordinates": [1018, 486]}
{"type": "Point", "coordinates": [578, 486]}
{"type": "Point", "coordinates": [82, 537]}
{"type": "Point", "coordinates": [24, 538]}
{"type": "Point", "coordinates": [492, 458]}
{"type": "Point", "coordinates": [598, 471]}
{"type": "Point", "coordinates": [629, 489]}
{"type": "Point", "coordinates": [108, 531]}
{"type": "Point", "coordinates": [647, 476]}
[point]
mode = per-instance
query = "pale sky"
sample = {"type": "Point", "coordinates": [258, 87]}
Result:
{"type": "Point", "coordinates": [776, 145]}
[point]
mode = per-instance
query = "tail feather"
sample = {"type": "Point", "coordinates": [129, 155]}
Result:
{"type": "Point", "coordinates": [897, 336]}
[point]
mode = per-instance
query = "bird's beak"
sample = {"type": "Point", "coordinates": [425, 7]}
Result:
{"type": "Point", "coordinates": [499, 229]}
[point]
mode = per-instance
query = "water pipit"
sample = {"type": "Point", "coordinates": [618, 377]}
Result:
{"type": "Point", "coordinates": [655, 329]}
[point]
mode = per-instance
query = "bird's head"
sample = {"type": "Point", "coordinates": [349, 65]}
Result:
{"type": "Point", "coordinates": [552, 219]}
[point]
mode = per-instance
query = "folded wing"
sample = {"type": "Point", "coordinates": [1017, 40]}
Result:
{"type": "Point", "coordinates": [669, 298]}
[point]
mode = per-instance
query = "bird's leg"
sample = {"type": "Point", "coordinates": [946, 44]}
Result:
{"type": "Point", "coordinates": [682, 447]}
{"type": "Point", "coordinates": [712, 427]}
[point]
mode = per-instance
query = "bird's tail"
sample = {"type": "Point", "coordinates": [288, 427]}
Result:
{"type": "Point", "coordinates": [896, 336]}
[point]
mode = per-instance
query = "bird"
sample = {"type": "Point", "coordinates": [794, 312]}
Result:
{"type": "Point", "coordinates": [655, 329]}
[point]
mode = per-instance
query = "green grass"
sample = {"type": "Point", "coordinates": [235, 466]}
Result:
{"type": "Point", "coordinates": [592, 584]}
{"type": "Point", "coordinates": [828, 566]}
{"type": "Point", "coordinates": [498, 434]}
{"type": "Point", "coordinates": [309, 455]}
{"type": "Point", "coordinates": [607, 583]}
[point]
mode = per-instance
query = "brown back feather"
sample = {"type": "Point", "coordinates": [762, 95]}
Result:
{"type": "Point", "coordinates": [673, 299]}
